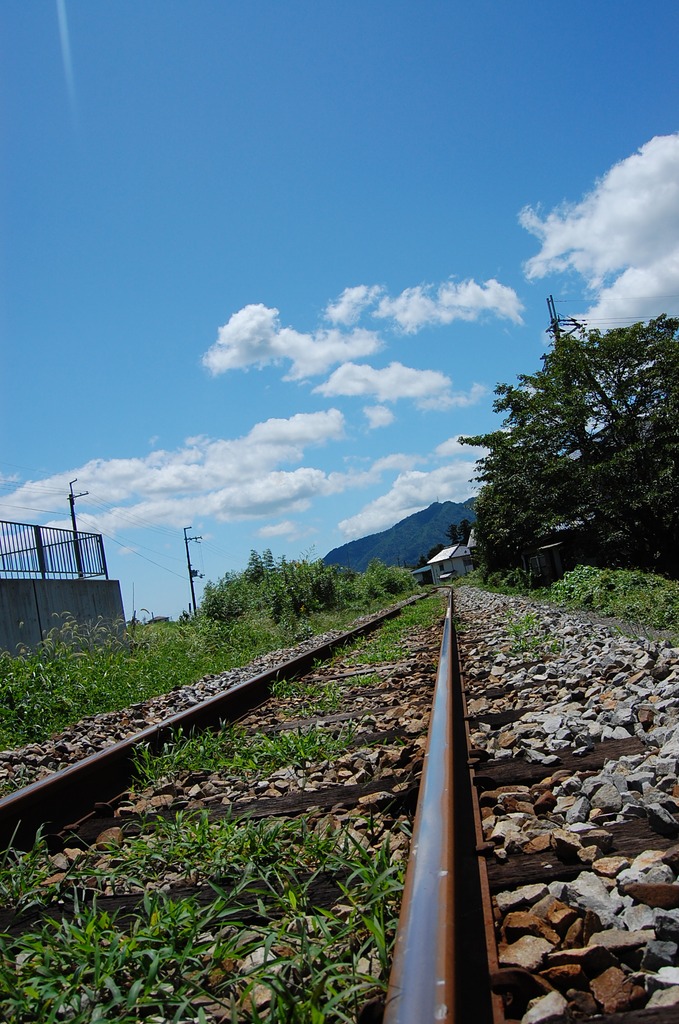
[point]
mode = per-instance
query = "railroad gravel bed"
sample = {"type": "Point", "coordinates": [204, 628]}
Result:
{"type": "Point", "coordinates": [575, 726]}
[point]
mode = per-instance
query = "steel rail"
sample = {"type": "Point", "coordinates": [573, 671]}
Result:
{"type": "Point", "coordinates": [443, 953]}
{"type": "Point", "coordinates": [72, 793]}
{"type": "Point", "coordinates": [422, 983]}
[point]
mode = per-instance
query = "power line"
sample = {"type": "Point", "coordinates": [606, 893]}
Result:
{"type": "Point", "coordinates": [569, 325]}
{"type": "Point", "coordinates": [137, 544]}
{"type": "Point", "coordinates": [635, 298]}
{"type": "Point", "coordinates": [133, 518]}
{"type": "Point", "coordinates": [30, 508]}
{"type": "Point", "coordinates": [139, 555]}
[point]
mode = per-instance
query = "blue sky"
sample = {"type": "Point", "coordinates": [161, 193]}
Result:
{"type": "Point", "coordinates": [263, 263]}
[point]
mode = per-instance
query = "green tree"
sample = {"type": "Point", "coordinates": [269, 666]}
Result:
{"type": "Point", "coordinates": [589, 442]}
{"type": "Point", "coordinates": [465, 528]}
{"type": "Point", "coordinates": [453, 533]}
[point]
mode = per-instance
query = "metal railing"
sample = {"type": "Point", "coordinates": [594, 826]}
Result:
{"type": "Point", "coordinates": [47, 552]}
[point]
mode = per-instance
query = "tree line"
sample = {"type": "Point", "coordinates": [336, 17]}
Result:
{"type": "Point", "coordinates": [588, 452]}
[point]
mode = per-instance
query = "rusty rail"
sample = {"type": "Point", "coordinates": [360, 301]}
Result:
{"type": "Point", "coordinates": [440, 968]}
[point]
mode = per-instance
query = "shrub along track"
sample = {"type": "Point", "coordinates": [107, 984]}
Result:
{"type": "Point", "coordinates": [252, 874]}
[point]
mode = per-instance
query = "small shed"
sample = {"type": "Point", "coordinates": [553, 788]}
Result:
{"type": "Point", "coordinates": [423, 574]}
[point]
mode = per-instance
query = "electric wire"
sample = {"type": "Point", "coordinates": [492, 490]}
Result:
{"type": "Point", "coordinates": [145, 558]}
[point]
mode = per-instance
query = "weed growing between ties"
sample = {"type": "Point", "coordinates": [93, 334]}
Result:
{"type": "Point", "coordinates": [529, 637]}
{"type": "Point", "coordinates": [80, 671]}
{"type": "Point", "coordinates": [23, 876]}
{"type": "Point", "coordinates": [233, 751]}
{"type": "Point", "coordinates": [268, 950]}
{"type": "Point", "coordinates": [311, 698]}
{"type": "Point", "coordinates": [389, 643]}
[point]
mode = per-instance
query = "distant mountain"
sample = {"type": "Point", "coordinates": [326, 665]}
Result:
{"type": "Point", "coordinates": [403, 543]}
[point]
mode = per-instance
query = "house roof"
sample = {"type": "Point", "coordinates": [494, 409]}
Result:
{"type": "Point", "coordinates": [456, 551]}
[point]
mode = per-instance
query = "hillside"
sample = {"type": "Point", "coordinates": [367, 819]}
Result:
{"type": "Point", "coordinates": [403, 543]}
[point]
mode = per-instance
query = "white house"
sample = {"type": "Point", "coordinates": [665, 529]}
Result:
{"type": "Point", "coordinates": [454, 561]}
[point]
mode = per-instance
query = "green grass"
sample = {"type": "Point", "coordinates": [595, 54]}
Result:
{"type": "Point", "coordinates": [233, 751]}
{"type": "Point", "coordinates": [75, 674]}
{"type": "Point", "coordinates": [529, 637]}
{"type": "Point", "coordinates": [293, 962]}
{"type": "Point", "coordinates": [389, 644]}
{"type": "Point", "coordinates": [644, 600]}
{"type": "Point", "coordinates": [312, 698]}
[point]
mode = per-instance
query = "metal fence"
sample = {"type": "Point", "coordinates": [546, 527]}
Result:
{"type": "Point", "coordinates": [46, 552]}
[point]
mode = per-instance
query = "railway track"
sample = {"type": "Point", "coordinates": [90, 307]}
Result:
{"type": "Point", "coordinates": [502, 799]}
{"type": "Point", "coordinates": [253, 866]}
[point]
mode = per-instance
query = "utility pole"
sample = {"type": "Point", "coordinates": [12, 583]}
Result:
{"type": "Point", "coordinates": [192, 572]}
{"type": "Point", "coordinates": [76, 542]}
{"type": "Point", "coordinates": [556, 322]}
{"type": "Point", "coordinates": [554, 327]}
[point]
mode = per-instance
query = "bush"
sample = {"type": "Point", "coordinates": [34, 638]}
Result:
{"type": "Point", "coordinates": [291, 591]}
{"type": "Point", "coordinates": [380, 581]}
{"type": "Point", "coordinates": [508, 581]}
{"type": "Point", "coordinates": [624, 593]}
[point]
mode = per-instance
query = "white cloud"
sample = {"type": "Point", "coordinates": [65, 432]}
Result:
{"type": "Point", "coordinates": [248, 339]}
{"type": "Point", "coordinates": [622, 237]}
{"type": "Point", "coordinates": [254, 337]}
{"type": "Point", "coordinates": [285, 529]}
{"type": "Point", "coordinates": [411, 491]}
{"type": "Point", "coordinates": [312, 355]}
{"type": "Point", "coordinates": [422, 305]}
{"type": "Point", "coordinates": [452, 448]}
{"type": "Point", "coordinates": [397, 460]}
{"type": "Point", "coordinates": [351, 303]}
{"type": "Point", "coordinates": [378, 416]}
{"type": "Point", "coordinates": [227, 479]}
{"type": "Point", "coordinates": [430, 389]}
{"type": "Point", "coordinates": [463, 399]}
{"type": "Point", "coordinates": [302, 429]}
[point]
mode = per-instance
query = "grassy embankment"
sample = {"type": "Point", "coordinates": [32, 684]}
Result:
{"type": "Point", "coordinates": [645, 601]}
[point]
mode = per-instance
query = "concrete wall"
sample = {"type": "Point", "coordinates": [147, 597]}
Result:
{"type": "Point", "coordinates": [29, 609]}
